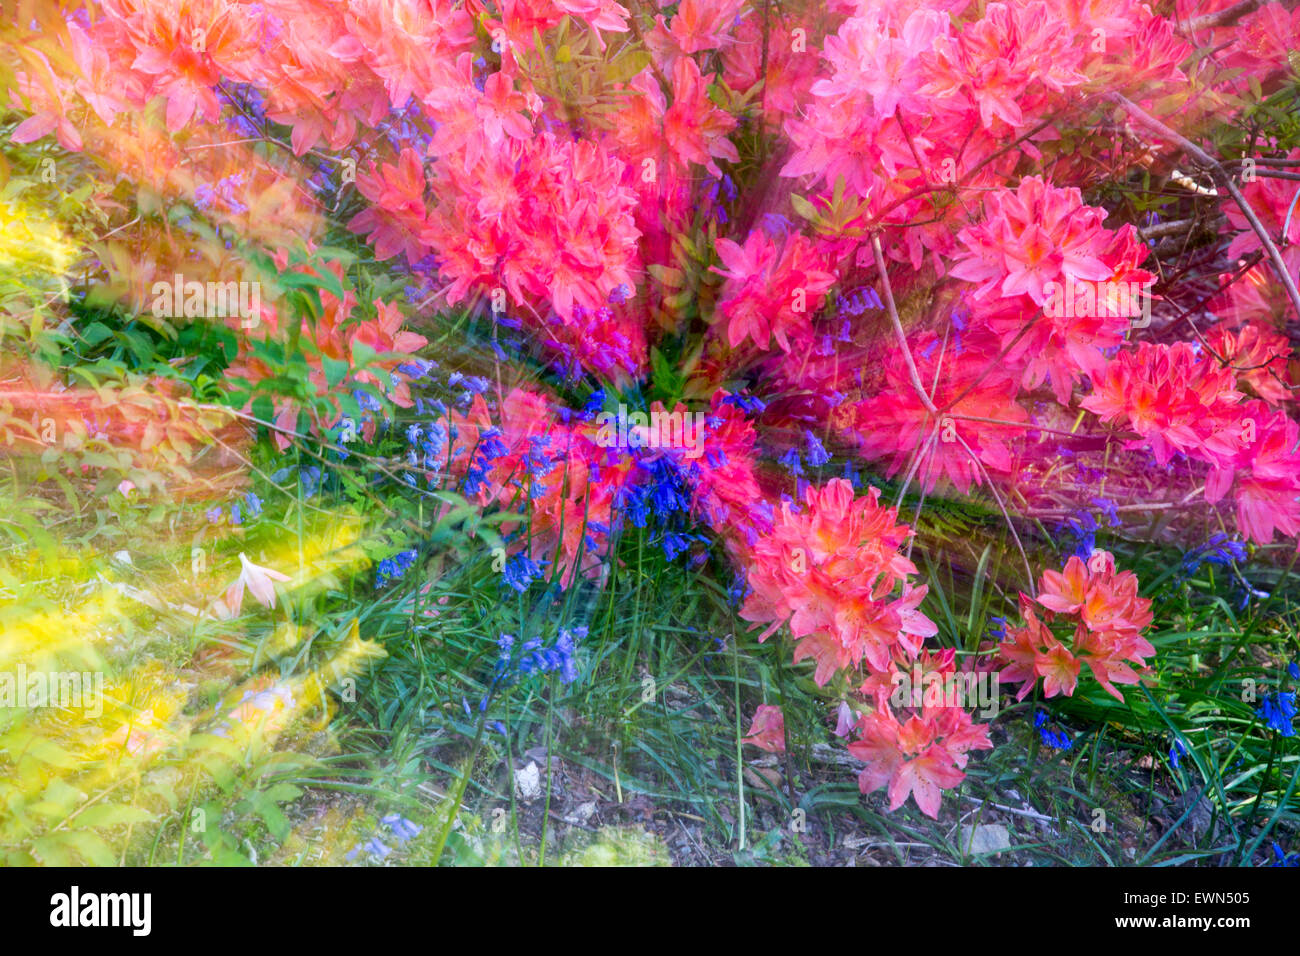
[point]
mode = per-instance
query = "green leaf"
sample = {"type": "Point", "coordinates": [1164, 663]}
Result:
{"type": "Point", "coordinates": [803, 207]}
{"type": "Point", "coordinates": [111, 814]}
{"type": "Point", "coordinates": [48, 752]}
{"type": "Point", "coordinates": [92, 848]}
{"type": "Point", "coordinates": [336, 370]}
{"type": "Point", "coordinates": [95, 333]}
{"type": "Point", "coordinates": [362, 354]}
{"type": "Point", "coordinates": [274, 817]}
{"type": "Point", "coordinates": [52, 850]}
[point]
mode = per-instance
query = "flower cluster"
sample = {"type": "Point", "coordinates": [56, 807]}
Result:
{"type": "Point", "coordinates": [830, 570]}
{"type": "Point", "coordinates": [1108, 619]}
{"type": "Point", "coordinates": [869, 212]}
{"type": "Point", "coordinates": [1056, 739]}
{"type": "Point", "coordinates": [395, 568]}
{"type": "Point", "coordinates": [771, 292]}
{"type": "Point", "coordinates": [401, 830]}
{"type": "Point", "coordinates": [534, 657]}
{"type": "Point", "coordinates": [1036, 246]}
{"type": "Point", "coordinates": [920, 757]}
{"type": "Point", "coordinates": [1278, 712]}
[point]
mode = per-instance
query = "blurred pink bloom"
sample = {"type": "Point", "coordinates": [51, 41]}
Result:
{"type": "Point", "coordinates": [257, 579]}
{"type": "Point", "coordinates": [767, 731]}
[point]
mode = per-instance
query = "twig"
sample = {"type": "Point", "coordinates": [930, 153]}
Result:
{"type": "Point", "coordinates": [1153, 124]}
{"type": "Point", "coordinates": [1005, 809]}
{"type": "Point", "coordinates": [1029, 573]}
{"type": "Point", "coordinates": [899, 334]}
{"type": "Point", "coordinates": [1170, 228]}
{"type": "Point", "coordinates": [1224, 18]}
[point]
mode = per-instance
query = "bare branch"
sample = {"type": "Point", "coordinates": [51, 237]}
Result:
{"type": "Point", "coordinates": [899, 334]}
{"type": "Point", "coordinates": [1224, 18]}
{"type": "Point", "coordinates": [1224, 177]}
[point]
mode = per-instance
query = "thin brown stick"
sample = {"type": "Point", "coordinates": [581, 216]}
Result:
{"type": "Point", "coordinates": [899, 334]}
{"type": "Point", "coordinates": [1224, 18]}
{"type": "Point", "coordinates": [1225, 178]}
{"type": "Point", "coordinates": [1029, 573]}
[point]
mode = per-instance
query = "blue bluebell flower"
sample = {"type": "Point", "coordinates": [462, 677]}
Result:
{"type": "Point", "coordinates": [1177, 752]}
{"type": "Point", "coordinates": [391, 569]}
{"type": "Point", "coordinates": [775, 225]}
{"type": "Point", "coordinates": [859, 301]}
{"type": "Point", "coordinates": [534, 657]}
{"type": "Point", "coordinates": [595, 403]}
{"type": "Point", "coordinates": [417, 369]}
{"type": "Point", "coordinates": [366, 400]}
{"type": "Point", "coordinates": [1249, 593]}
{"type": "Point", "coordinates": [1278, 712]}
{"type": "Point", "coordinates": [1219, 549]}
{"type": "Point", "coordinates": [675, 543]}
{"type": "Point", "coordinates": [739, 589]}
{"type": "Point", "coordinates": [310, 479]}
{"type": "Point", "coordinates": [374, 846]}
{"type": "Point", "coordinates": [402, 828]}
{"type": "Point", "coordinates": [539, 462]}
{"type": "Point", "coordinates": [1082, 528]}
{"type": "Point", "coordinates": [520, 571]}
{"type": "Point", "coordinates": [1056, 739]}
{"type": "Point", "coordinates": [817, 453]}
{"type": "Point", "coordinates": [249, 112]}
{"type": "Point", "coordinates": [749, 404]}
{"type": "Point", "coordinates": [490, 449]}
{"type": "Point", "coordinates": [1109, 510]}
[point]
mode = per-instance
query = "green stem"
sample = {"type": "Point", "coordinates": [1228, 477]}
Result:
{"type": "Point", "coordinates": [546, 809]}
{"type": "Point", "coordinates": [740, 760]}
{"type": "Point", "coordinates": [454, 810]}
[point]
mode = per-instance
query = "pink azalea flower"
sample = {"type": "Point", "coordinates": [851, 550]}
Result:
{"type": "Point", "coordinates": [257, 579]}
{"type": "Point", "coordinates": [767, 729]}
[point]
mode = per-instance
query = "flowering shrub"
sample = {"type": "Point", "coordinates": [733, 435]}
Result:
{"type": "Point", "coordinates": [899, 236]}
{"type": "Point", "coordinates": [1108, 618]}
